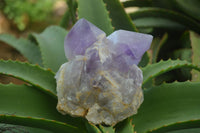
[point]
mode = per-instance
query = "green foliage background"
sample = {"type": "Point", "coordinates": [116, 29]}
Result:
{"type": "Point", "coordinates": [21, 11]}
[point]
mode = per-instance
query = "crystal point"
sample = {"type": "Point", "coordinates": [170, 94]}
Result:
{"type": "Point", "coordinates": [81, 36]}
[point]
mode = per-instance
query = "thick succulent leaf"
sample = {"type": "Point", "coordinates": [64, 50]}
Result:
{"type": "Point", "coordinates": [27, 106]}
{"type": "Point", "coordinates": [192, 130]}
{"type": "Point", "coordinates": [105, 129]}
{"type": "Point", "coordinates": [65, 19]}
{"type": "Point", "coordinates": [95, 12]}
{"type": "Point", "coordinates": [166, 14]}
{"type": "Point", "coordinates": [25, 47]}
{"type": "Point", "coordinates": [9, 128]}
{"type": "Point", "coordinates": [51, 43]}
{"type": "Point", "coordinates": [195, 42]}
{"type": "Point", "coordinates": [166, 4]}
{"type": "Point", "coordinates": [168, 104]}
{"type": "Point", "coordinates": [91, 128]}
{"type": "Point", "coordinates": [177, 126]}
{"type": "Point", "coordinates": [72, 5]}
{"type": "Point", "coordinates": [190, 7]}
{"type": "Point", "coordinates": [155, 47]}
{"type": "Point", "coordinates": [185, 40]}
{"type": "Point", "coordinates": [32, 74]}
{"type": "Point", "coordinates": [120, 19]}
{"type": "Point", "coordinates": [146, 30]}
{"type": "Point", "coordinates": [125, 126]}
{"type": "Point", "coordinates": [145, 60]}
{"type": "Point", "coordinates": [153, 70]}
{"type": "Point", "coordinates": [137, 3]}
{"type": "Point", "coordinates": [184, 54]}
{"type": "Point", "coordinates": [157, 22]}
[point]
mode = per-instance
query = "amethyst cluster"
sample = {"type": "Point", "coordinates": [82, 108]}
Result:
{"type": "Point", "coordinates": [101, 81]}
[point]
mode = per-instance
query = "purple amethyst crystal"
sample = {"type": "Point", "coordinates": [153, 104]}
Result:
{"type": "Point", "coordinates": [101, 81]}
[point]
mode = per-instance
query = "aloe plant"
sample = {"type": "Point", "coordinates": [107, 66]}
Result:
{"type": "Point", "coordinates": [171, 70]}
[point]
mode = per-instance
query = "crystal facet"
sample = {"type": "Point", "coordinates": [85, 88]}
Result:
{"type": "Point", "coordinates": [101, 82]}
{"type": "Point", "coordinates": [81, 36]}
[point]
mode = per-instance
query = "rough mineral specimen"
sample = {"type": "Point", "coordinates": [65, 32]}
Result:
{"type": "Point", "coordinates": [101, 81]}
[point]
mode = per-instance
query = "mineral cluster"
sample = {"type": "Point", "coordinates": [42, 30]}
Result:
{"type": "Point", "coordinates": [101, 81]}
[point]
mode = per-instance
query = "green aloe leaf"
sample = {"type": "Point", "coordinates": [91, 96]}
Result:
{"type": "Point", "coordinates": [195, 42]}
{"type": "Point", "coordinates": [72, 5]}
{"type": "Point", "coordinates": [65, 19]}
{"type": "Point", "coordinates": [177, 126]}
{"type": "Point", "coordinates": [169, 104]}
{"type": "Point", "coordinates": [32, 74]}
{"type": "Point", "coordinates": [192, 130]}
{"type": "Point", "coordinates": [95, 12]}
{"type": "Point", "coordinates": [9, 128]}
{"type": "Point", "coordinates": [105, 129]}
{"type": "Point", "coordinates": [156, 46]}
{"type": "Point", "coordinates": [190, 7]}
{"type": "Point", "coordinates": [153, 70]}
{"type": "Point", "coordinates": [91, 128]}
{"type": "Point", "coordinates": [125, 126]}
{"type": "Point", "coordinates": [25, 47]}
{"type": "Point", "coordinates": [166, 14]}
{"type": "Point", "coordinates": [145, 60]}
{"type": "Point", "coordinates": [183, 54]}
{"type": "Point", "coordinates": [137, 3]}
{"type": "Point", "coordinates": [51, 43]}
{"type": "Point", "coordinates": [27, 106]}
{"type": "Point", "coordinates": [120, 19]}
{"type": "Point", "coordinates": [155, 22]}
{"type": "Point", "coordinates": [166, 4]}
